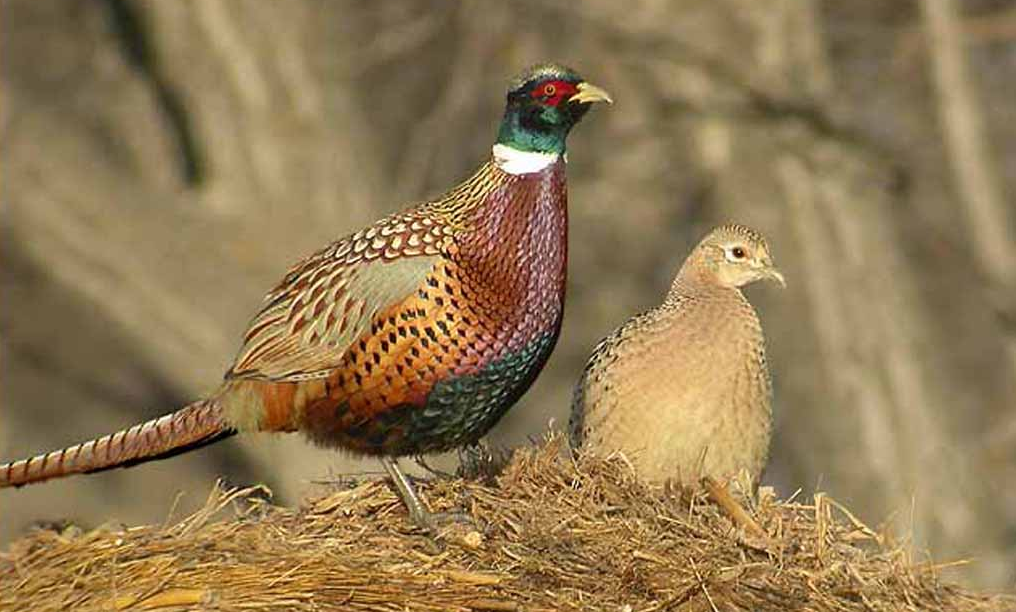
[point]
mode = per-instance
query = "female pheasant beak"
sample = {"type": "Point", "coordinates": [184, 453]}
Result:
{"type": "Point", "coordinates": [589, 93]}
{"type": "Point", "coordinates": [774, 275]}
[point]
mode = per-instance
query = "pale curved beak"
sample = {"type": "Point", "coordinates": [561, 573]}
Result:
{"type": "Point", "coordinates": [589, 93]}
{"type": "Point", "coordinates": [776, 276]}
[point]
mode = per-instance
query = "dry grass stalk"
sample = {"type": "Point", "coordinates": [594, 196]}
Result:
{"type": "Point", "coordinates": [557, 534]}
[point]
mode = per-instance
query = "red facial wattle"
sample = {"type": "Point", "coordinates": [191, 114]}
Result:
{"type": "Point", "coordinates": [551, 93]}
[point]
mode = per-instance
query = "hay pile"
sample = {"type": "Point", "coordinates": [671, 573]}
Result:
{"type": "Point", "coordinates": [557, 536]}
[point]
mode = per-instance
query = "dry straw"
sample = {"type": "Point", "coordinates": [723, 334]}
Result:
{"type": "Point", "coordinates": [555, 535]}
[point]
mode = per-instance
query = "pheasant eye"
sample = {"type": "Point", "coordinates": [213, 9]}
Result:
{"type": "Point", "coordinates": [737, 252]}
{"type": "Point", "coordinates": [549, 89]}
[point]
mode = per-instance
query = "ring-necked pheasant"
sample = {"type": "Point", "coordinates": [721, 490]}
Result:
{"type": "Point", "coordinates": [683, 390]}
{"type": "Point", "coordinates": [411, 336]}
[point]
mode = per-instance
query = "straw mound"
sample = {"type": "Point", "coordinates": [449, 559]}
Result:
{"type": "Point", "coordinates": [556, 535]}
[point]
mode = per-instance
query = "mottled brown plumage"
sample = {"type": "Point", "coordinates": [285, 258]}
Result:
{"type": "Point", "coordinates": [683, 390]}
{"type": "Point", "coordinates": [413, 335]}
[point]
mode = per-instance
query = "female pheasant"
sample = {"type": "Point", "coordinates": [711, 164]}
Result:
{"type": "Point", "coordinates": [411, 336]}
{"type": "Point", "coordinates": [683, 389]}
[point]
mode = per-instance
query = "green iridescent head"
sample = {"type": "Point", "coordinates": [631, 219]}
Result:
{"type": "Point", "coordinates": [544, 103]}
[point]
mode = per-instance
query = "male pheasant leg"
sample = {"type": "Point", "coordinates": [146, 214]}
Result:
{"type": "Point", "coordinates": [417, 513]}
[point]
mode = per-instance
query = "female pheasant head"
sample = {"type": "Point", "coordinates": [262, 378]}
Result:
{"type": "Point", "coordinates": [731, 256]}
{"type": "Point", "coordinates": [544, 103]}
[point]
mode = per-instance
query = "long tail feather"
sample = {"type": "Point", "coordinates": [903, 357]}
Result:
{"type": "Point", "coordinates": [190, 427]}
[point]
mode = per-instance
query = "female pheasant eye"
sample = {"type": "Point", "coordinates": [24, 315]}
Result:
{"type": "Point", "coordinates": [737, 252]}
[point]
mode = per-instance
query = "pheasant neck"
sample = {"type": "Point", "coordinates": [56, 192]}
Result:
{"type": "Point", "coordinates": [517, 239]}
{"type": "Point", "coordinates": [518, 132]}
{"type": "Point", "coordinates": [698, 282]}
{"type": "Point", "coordinates": [698, 276]}
{"type": "Point", "coordinates": [514, 161]}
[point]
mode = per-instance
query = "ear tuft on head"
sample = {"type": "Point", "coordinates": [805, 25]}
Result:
{"type": "Point", "coordinates": [540, 72]}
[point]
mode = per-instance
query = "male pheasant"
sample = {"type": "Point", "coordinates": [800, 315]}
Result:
{"type": "Point", "coordinates": [411, 336]}
{"type": "Point", "coordinates": [683, 390]}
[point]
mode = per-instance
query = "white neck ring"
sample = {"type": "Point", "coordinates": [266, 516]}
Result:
{"type": "Point", "coordinates": [514, 161]}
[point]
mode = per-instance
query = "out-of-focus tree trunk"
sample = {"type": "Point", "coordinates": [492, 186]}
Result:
{"type": "Point", "coordinates": [989, 217]}
{"type": "Point", "coordinates": [164, 162]}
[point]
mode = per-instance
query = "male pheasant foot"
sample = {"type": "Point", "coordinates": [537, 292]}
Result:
{"type": "Point", "coordinates": [683, 390]}
{"type": "Point", "coordinates": [430, 521]}
{"type": "Point", "coordinates": [411, 336]}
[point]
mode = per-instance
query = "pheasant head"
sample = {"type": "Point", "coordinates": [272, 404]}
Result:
{"type": "Point", "coordinates": [544, 103]}
{"type": "Point", "coordinates": [731, 256]}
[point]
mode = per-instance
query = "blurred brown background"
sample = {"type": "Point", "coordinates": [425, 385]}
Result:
{"type": "Point", "coordinates": [164, 162]}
